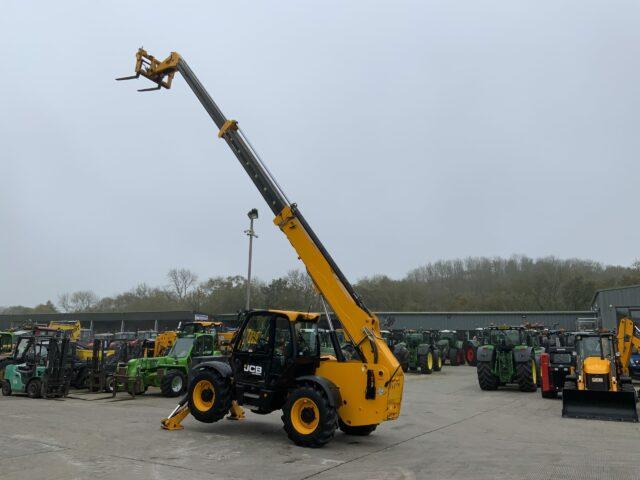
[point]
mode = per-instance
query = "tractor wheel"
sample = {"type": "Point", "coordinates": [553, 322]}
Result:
{"type": "Point", "coordinates": [437, 361]}
{"type": "Point", "coordinates": [6, 388]}
{"type": "Point", "coordinates": [405, 367]}
{"type": "Point", "coordinates": [461, 357]}
{"type": "Point", "coordinates": [308, 418]}
{"type": "Point", "coordinates": [426, 363]}
{"type": "Point", "coordinates": [454, 357]}
{"type": "Point", "coordinates": [527, 376]}
{"type": "Point", "coordinates": [470, 356]}
{"type": "Point", "coordinates": [486, 378]}
{"type": "Point", "coordinates": [209, 396]}
{"type": "Point", "coordinates": [34, 388]}
{"type": "Point", "coordinates": [109, 384]}
{"type": "Point", "coordinates": [174, 383]}
{"type": "Point", "coordinates": [360, 431]}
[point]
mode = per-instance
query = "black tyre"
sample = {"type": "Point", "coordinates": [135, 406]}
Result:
{"type": "Point", "coordinates": [109, 384]}
{"type": "Point", "coordinates": [82, 380]}
{"type": "Point", "coordinates": [426, 363]}
{"type": "Point", "coordinates": [486, 378]}
{"type": "Point", "coordinates": [6, 388]}
{"type": "Point", "coordinates": [527, 376]}
{"type": "Point", "coordinates": [309, 419]}
{"type": "Point", "coordinates": [437, 361]}
{"type": "Point", "coordinates": [454, 358]}
{"type": "Point", "coordinates": [209, 396]}
{"type": "Point", "coordinates": [34, 388]}
{"type": "Point", "coordinates": [549, 394]}
{"type": "Point", "coordinates": [402, 355]}
{"type": "Point", "coordinates": [360, 431]}
{"type": "Point", "coordinates": [173, 384]}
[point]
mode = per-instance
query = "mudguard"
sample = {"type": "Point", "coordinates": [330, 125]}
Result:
{"type": "Point", "coordinates": [330, 389]}
{"type": "Point", "coordinates": [222, 368]}
{"type": "Point", "coordinates": [521, 355]}
{"type": "Point", "coordinates": [423, 349]}
{"type": "Point", "coordinates": [484, 353]}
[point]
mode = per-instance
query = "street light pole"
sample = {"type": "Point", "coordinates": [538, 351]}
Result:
{"type": "Point", "coordinates": [253, 215]}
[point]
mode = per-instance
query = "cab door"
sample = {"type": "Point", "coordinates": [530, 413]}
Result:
{"type": "Point", "coordinates": [252, 356]}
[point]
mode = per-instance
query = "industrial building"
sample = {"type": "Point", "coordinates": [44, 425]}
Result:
{"type": "Point", "coordinates": [134, 321]}
{"type": "Point", "coordinates": [611, 304]}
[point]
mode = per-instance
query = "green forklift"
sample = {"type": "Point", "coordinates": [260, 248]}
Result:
{"type": "Point", "coordinates": [47, 367]}
{"type": "Point", "coordinates": [508, 356]}
{"type": "Point", "coordinates": [169, 373]}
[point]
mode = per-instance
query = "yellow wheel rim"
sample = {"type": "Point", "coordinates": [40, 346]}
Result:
{"type": "Point", "coordinates": [430, 360]}
{"type": "Point", "coordinates": [534, 372]}
{"type": "Point", "coordinates": [203, 395]}
{"type": "Point", "coordinates": [439, 361]}
{"type": "Point", "coordinates": [305, 416]}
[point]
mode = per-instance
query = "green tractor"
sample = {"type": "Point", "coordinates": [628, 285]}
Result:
{"type": "Point", "coordinates": [46, 367]}
{"type": "Point", "coordinates": [417, 351]}
{"type": "Point", "coordinates": [169, 373]}
{"type": "Point", "coordinates": [508, 356]}
{"type": "Point", "coordinates": [450, 346]}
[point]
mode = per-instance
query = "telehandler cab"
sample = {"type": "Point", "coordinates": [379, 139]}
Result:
{"type": "Point", "coordinates": [269, 367]}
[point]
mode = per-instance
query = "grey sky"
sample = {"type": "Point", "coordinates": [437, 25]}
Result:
{"type": "Point", "coordinates": [406, 131]}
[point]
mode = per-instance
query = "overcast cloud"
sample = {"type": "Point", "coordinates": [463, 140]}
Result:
{"type": "Point", "coordinates": [406, 131]}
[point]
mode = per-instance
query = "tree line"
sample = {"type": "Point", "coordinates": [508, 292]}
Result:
{"type": "Point", "coordinates": [469, 284]}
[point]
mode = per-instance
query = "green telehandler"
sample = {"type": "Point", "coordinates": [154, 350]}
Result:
{"type": "Point", "coordinates": [169, 373]}
{"type": "Point", "coordinates": [508, 356]}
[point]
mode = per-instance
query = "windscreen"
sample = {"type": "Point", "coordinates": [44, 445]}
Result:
{"type": "Point", "coordinates": [594, 347]}
{"type": "Point", "coordinates": [182, 347]}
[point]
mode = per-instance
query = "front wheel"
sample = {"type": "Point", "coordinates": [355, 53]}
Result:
{"type": "Point", "coordinates": [470, 356]}
{"type": "Point", "coordinates": [34, 389]}
{"type": "Point", "coordinates": [209, 396]}
{"type": "Point", "coordinates": [309, 419]}
{"type": "Point", "coordinates": [173, 383]}
{"type": "Point", "coordinates": [359, 431]}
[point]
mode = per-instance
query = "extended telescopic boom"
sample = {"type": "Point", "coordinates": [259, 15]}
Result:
{"type": "Point", "coordinates": [358, 322]}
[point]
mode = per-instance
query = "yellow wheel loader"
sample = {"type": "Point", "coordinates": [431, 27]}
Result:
{"type": "Point", "coordinates": [597, 387]}
{"type": "Point", "coordinates": [276, 361]}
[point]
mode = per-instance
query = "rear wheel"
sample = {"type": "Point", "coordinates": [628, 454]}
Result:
{"type": "Point", "coordinates": [309, 419]}
{"type": "Point", "coordinates": [527, 376]}
{"type": "Point", "coordinates": [34, 389]}
{"type": "Point", "coordinates": [437, 366]}
{"type": "Point", "coordinates": [6, 388]}
{"type": "Point", "coordinates": [209, 396]}
{"type": "Point", "coordinates": [360, 431]}
{"type": "Point", "coordinates": [426, 363]}
{"type": "Point", "coordinates": [173, 383]}
{"type": "Point", "coordinates": [454, 357]}
{"type": "Point", "coordinates": [486, 378]}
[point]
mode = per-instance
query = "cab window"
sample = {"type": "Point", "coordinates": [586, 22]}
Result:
{"type": "Point", "coordinates": [307, 339]}
{"type": "Point", "coordinates": [255, 337]}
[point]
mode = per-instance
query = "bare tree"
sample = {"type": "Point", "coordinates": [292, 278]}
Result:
{"type": "Point", "coordinates": [181, 281]}
{"type": "Point", "coordinates": [80, 301]}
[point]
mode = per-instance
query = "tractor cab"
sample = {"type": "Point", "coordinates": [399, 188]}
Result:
{"type": "Point", "coordinates": [506, 338]}
{"type": "Point", "coordinates": [190, 328]}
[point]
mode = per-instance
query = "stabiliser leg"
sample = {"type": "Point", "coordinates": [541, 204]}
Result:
{"type": "Point", "coordinates": [173, 421]}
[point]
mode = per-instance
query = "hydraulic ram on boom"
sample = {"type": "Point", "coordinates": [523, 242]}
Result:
{"type": "Point", "coordinates": [364, 390]}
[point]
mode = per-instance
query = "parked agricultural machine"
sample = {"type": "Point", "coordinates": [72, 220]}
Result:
{"type": "Point", "coordinates": [418, 351]}
{"type": "Point", "coordinates": [508, 357]}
